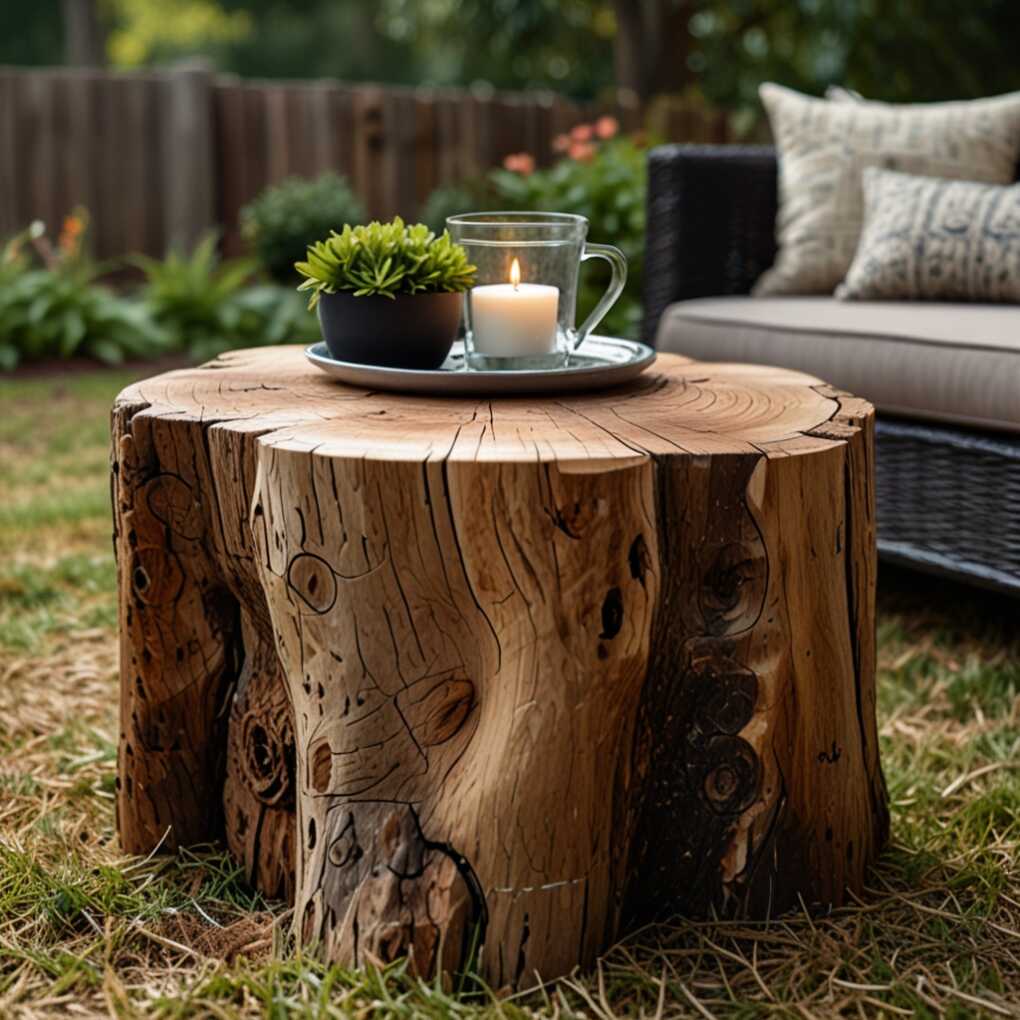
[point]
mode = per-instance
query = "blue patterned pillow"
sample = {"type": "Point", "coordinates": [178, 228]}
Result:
{"type": "Point", "coordinates": [925, 237]}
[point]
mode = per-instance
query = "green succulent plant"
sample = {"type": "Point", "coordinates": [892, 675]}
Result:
{"type": "Point", "coordinates": [385, 259]}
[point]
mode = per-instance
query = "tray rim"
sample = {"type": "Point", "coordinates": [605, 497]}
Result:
{"type": "Point", "coordinates": [424, 380]}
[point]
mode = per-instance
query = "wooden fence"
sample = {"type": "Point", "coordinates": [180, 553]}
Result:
{"type": "Point", "coordinates": [159, 158]}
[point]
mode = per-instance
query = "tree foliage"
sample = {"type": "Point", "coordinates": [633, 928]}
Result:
{"type": "Point", "coordinates": [911, 50]}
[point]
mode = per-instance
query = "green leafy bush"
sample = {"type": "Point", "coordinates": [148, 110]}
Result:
{"type": "Point", "coordinates": [284, 220]}
{"type": "Point", "coordinates": [450, 200]}
{"type": "Point", "coordinates": [52, 307]}
{"type": "Point", "coordinates": [385, 259]}
{"type": "Point", "coordinates": [207, 305]}
{"type": "Point", "coordinates": [603, 178]}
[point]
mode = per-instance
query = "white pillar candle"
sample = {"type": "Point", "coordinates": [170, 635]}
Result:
{"type": "Point", "coordinates": [514, 319]}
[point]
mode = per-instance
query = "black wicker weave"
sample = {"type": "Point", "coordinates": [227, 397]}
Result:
{"type": "Point", "coordinates": [948, 498]}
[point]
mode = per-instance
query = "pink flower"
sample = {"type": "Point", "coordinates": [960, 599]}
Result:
{"type": "Point", "coordinates": [582, 133]}
{"type": "Point", "coordinates": [581, 151]}
{"type": "Point", "coordinates": [520, 163]}
{"type": "Point", "coordinates": [607, 127]}
{"type": "Point", "coordinates": [561, 143]}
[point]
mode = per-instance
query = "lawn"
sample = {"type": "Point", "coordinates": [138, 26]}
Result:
{"type": "Point", "coordinates": [85, 931]}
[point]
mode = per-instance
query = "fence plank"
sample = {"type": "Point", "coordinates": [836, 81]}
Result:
{"type": "Point", "coordinates": [79, 146]}
{"type": "Point", "coordinates": [275, 98]}
{"type": "Point", "coordinates": [368, 145]}
{"type": "Point", "coordinates": [137, 163]}
{"type": "Point", "coordinates": [159, 158]}
{"type": "Point", "coordinates": [188, 151]}
{"type": "Point", "coordinates": [426, 169]}
{"type": "Point", "coordinates": [37, 145]}
{"type": "Point", "coordinates": [405, 153]}
{"type": "Point", "coordinates": [319, 127]}
{"type": "Point", "coordinates": [104, 150]}
{"type": "Point", "coordinates": [9, 210]}
{"type": "Point", "coordinates": [343, 130]}
{"type": "Point", "coordinates": [232, 159]}
{"type": "Point", "coordinates": [256, 133]}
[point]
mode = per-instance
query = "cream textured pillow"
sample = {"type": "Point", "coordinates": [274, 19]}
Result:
{"type": "Point", "coordinates": [824, 147]}
{"type": "Point", "coordinates": [925, 237]}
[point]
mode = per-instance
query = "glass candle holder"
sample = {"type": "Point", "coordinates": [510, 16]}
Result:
{"type": "Point", "coordinates": [520, 313]}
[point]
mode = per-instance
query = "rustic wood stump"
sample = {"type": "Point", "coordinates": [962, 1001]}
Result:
{"type": "Point", "coordinates": [500, 676]}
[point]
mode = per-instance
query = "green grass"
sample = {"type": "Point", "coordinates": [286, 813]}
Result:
{"type": "Point", "coordinates": [85, 931]}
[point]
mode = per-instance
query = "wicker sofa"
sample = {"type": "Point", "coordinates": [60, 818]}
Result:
{"type": "Point", "coordinates": [944, 378]}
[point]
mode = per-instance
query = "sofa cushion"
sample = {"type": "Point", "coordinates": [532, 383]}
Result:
{"type": "Point", "coordinates": [956, 363]}
{"type": "Point", "coordinates": [824, 146]}
{"type": "Point", "coordinates": [925, 237]}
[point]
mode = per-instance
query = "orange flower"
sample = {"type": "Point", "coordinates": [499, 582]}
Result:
{"type": "Point", "coordinates": [581, 151]}
{"type": "Point", "coordinates": [607, 127]}
{"type": "Point", "coordinates": [70, 234]}
{"type": "Point", "coordinates": [520, 163]}
{"type": "Point", "coordinates": [582, 133]}
{"type": "Point", "coordinates": [561, 143]}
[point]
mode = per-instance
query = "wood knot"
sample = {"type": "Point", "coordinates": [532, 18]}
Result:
{"type": "Point", "coordinates": [321, 758]}
{"type": "Point", "coordinates": [437, 708]}
{"type": "Point", "coordinates": [639, 559]}
{"type": "Point", "coordinates": [731, 775]}
{"type": "Point", "coordinates": [156, 575]}
{"type": "Point", "coordinates": [345, 849]}
{"type": "Point", "coordinates": [268, 759]}
{"type": "Point", "coordinates": [612, 614]}
{"type": "Point", "coordinates": [576, 518]}
{"type": "Point", "coordinates": [171, 501]}
{"type": "Point", "coordinates": [727, 698]}
{"type": "Point", "coordinates": [733, 587]}
{"type": "Point", "coordinates": [312, 579]}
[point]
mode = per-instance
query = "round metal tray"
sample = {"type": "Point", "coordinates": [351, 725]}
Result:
{"type": "Point", "coordinates": [603, 361]}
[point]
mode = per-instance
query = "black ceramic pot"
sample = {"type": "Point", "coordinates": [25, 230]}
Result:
{"type": "Point", "coordinates": [409, 331]}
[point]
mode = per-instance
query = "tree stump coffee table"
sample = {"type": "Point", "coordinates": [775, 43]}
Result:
{"type": "Point", "coordinates": [500, 677]}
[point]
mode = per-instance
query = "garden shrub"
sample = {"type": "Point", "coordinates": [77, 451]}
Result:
{"type": "Point", "coordinates": [208, 305]}
{"type": "Point", "coordinates": [450, 200]}
{"type": "Point", "coordinates": [603, 177]}
{"type": "Point", "coordinates": [284, 220]}
{"type": "Point", "coordinates": [51, 305]}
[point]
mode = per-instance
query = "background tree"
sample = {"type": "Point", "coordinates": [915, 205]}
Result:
{"type": "Point", "coordinates": [913, 50]}
{"type": "Point", "coordinates": [651, 46]}
{"type": "Point", "coordinates": [84, 34]}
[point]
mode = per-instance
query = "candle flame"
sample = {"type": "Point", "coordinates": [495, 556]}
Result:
{"type": "Point", "coordinates": [515, 274]}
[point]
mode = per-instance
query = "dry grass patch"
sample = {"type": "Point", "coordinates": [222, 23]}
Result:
{"type": "Point", "coordinates": [86, 932]}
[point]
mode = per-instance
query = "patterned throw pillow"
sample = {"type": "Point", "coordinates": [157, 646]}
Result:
{"type": "Point", "coordinates": [824, 147]}
{"type": "Point", "coordinates": [925, 237]}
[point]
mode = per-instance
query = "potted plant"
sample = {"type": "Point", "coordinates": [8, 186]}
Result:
{"type": "Point", "coordinates": [387, 294]}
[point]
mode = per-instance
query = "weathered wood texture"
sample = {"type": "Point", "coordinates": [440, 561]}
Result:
{"type": "Point", "coordinates": [160, 157]}
{"type": "Point", "coordinates": [529, 670]}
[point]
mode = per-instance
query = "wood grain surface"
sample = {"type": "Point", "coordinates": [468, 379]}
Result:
{"type": "Point", "coordinates": [489, 682]}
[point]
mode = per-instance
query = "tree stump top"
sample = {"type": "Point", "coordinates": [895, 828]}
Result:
{"type": "Point", "coordinates": [488, 682]}
{"type": "Point", "coordinates": [679, 406]}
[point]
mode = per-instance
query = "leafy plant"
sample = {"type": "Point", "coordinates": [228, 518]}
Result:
{"type": "Point", "coordinates": [208, 305]}
{"type": "Point", "coordinates": [51, 304]}
{"type": "Point", "coordinates": [385, 259]}
{"type": "Point", "coordinates": [450, 200]}
{"type": "Point", "coordinates": [284, 220]}
{"type": "Point", "coordinates": [602, 176]}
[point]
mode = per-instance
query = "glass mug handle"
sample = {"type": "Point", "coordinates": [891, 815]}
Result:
{"type": "Point", "coordinates": [618, 264]}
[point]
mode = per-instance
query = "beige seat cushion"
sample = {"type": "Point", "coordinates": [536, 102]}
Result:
{"type": "Point", "coordinates": [956, 363]}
